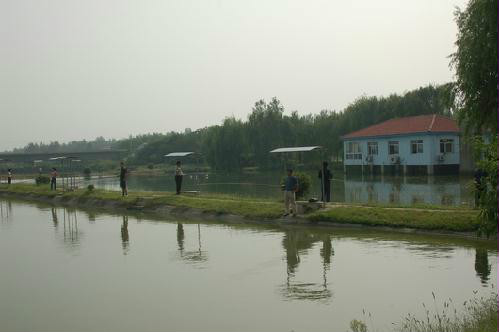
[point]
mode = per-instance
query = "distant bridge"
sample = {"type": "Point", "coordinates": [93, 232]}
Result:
{"type": "Point", "coordinates": [116, 154]}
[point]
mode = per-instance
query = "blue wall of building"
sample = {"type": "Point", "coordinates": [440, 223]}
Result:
{"type": "Point", "coordinates": [429, 156]}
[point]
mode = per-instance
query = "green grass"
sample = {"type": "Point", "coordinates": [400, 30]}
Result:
{"type": "Point", "coordinates": [449, 220]}
{"type": "Point", "coordinates": [219, 204]}
{"type": "Point", "coordinates": [478, 315]}
{"type": "Point", "coordinates": [475, 315]}
{"type": "Point", "coordinates": [427, 218]}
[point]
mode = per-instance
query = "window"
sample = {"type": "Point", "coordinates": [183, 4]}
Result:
{"type": "Point", "coordinates": [417, 146]}
{"type": "Point", "coordinates": [393, 147]}
{"type": "Point", "coordinates": [372, 148]}
{"type": "Point", "coordinates": [353, 151]}
{"type": "Point", "coordinates": [446, 145]}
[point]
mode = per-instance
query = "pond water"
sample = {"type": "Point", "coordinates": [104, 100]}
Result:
{"type": "Point", "coordinates": [409, 190]}
{"type": "Point", "coordinates": [83, 270]}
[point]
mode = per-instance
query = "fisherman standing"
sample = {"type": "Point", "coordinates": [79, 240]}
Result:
{"type": "Point", "coordinates": [53, 179]}
{"type": "Point", "coordinates": [123, 179]}
{"type": "Point", "coordinates": [178, 177]}
{"type": "Point", "coordinates": [290, 189]}
{"type": "Point", "coordinates": [326, 182]}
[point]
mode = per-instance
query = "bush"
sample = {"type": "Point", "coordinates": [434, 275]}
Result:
{"type": "Point", "coordinates": [150, 166]}
{"type": "Point", "coordinates": [87, 171]}
{"type": "Point", "coordinates": [90, 187]}
{"type": "Point", "coordinates": [42, 180]}
{"type": "Point", "coordinates": [486, 190]}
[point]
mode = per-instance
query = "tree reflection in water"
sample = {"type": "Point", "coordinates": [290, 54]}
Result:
{"type": "Point", "coordinates": [297, 243]}
{"type": "Point", "coordinates": [125, 239]}
{"type": "Point", "coordinates": [482, 266]}
{"type": "Point", "coordinates": [196, 257]}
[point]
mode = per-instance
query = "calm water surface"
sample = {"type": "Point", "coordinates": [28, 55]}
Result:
{"type": "Point", "coordinates": [409, 190]}
{"type": "Point", "coordinates": [73, 270]}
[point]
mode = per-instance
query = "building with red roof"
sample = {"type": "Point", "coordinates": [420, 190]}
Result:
{"type": "Point", "coordinates": [424, 142]}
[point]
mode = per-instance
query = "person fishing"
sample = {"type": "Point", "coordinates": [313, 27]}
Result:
{"type": "Point", "coordinates": [326, 189]}
{"type": "Point", "coordinates": [178, 177]}
{"type": "Point", "coordinates": [123, 179]}
{"type": "Point", "coordinates": [53, 179]}
{"type": "Point", "coordinates": [9, 176]}
{"type": "Point", "coordinates": [290, 189]}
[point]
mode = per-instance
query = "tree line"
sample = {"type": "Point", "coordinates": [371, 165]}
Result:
{"type": "Point", "coordinates": [237, 143]}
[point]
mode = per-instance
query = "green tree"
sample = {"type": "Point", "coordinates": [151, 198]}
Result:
{"type": "Point", "coordinates": [475, 62]}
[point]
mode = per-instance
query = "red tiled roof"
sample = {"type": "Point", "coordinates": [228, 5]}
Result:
{"type": "Point", "coordinates": [409, 125]}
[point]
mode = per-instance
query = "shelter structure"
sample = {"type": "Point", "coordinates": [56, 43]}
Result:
{"type": "Point", "coordinates": [185, 155]}
{"type": "Point", "coordinates": [302, 149]}
{"type": "Point", "coordinates": [67, 176]}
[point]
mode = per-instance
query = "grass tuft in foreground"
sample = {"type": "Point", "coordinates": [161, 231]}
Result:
{"type": "Point", "coordinates": [476, 315]}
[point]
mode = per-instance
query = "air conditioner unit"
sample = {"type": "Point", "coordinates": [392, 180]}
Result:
{"type": "Point", "coordinates": [441, 157]}
{"type": "Point", "coordinates": [394, 159]}
{"type": "Point", "coordinates": [369, 158]}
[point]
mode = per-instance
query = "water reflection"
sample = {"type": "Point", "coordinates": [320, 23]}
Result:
{"type": "Point", "coordinates": [55, 219]}
{"type": "Point", "coordinates": [407, 190]}
{"type": "Point", "coordinates": [196, 257]}
{"type": "Point", "coordinates": [446, 190]}
{"type": "Point", "coordinates": [71, 234]}
{"type": "Point", "coordinates": [180, 238]}
{"type": "Point", "coordinates": [125, 239]}
{"type": "Point", "coordinates": [482, 266]}
{"type": "Point", "coordinates": [5, 212]}
{"type": "Point", "coordinates": [297, 243]}
{"type": "Point", "coordinates": [92, 217]}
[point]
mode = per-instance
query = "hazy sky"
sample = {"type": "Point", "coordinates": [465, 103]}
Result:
{"type": "Point", "coordinates": [79, 69]}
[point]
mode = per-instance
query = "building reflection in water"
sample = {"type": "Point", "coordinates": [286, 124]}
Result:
{"type": "Point", "coordinates": [125, 239]}
{"type": "Point", "coordinates": [297, 243]}
{"type": "Point", "coordinates": [196, 257]}
{"type": "Point", "coordinates": [482, 266]}
{"type": "Point", "coordinates": [405, 190]}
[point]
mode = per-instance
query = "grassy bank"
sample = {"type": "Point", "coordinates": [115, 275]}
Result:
{"type": "Point", "coordinates": [427, 218]}
{"type": "Point", "coordinates": [456, 220]}
{"type": "Point", "coordinates": [475, 315]}
{"type": "Point", "coordinates": [219, 204]}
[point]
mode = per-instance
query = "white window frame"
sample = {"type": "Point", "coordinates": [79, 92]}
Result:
{"type": "Point", "coordinates": [372, 148]}
{"type": "Point", "coordinates": [446, 145]}
{"type": "Point", "coordinates": [393, 143]}
{"type": "Point", "coordinates": [353, 151]}
{"type": "Point", "coordinates": [419, 146]}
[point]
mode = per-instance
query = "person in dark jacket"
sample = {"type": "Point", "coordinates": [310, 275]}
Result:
{"type": "Point", "coordinates": [123, 179]}
{"type": "Point", "coordinates": [326, 190]}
